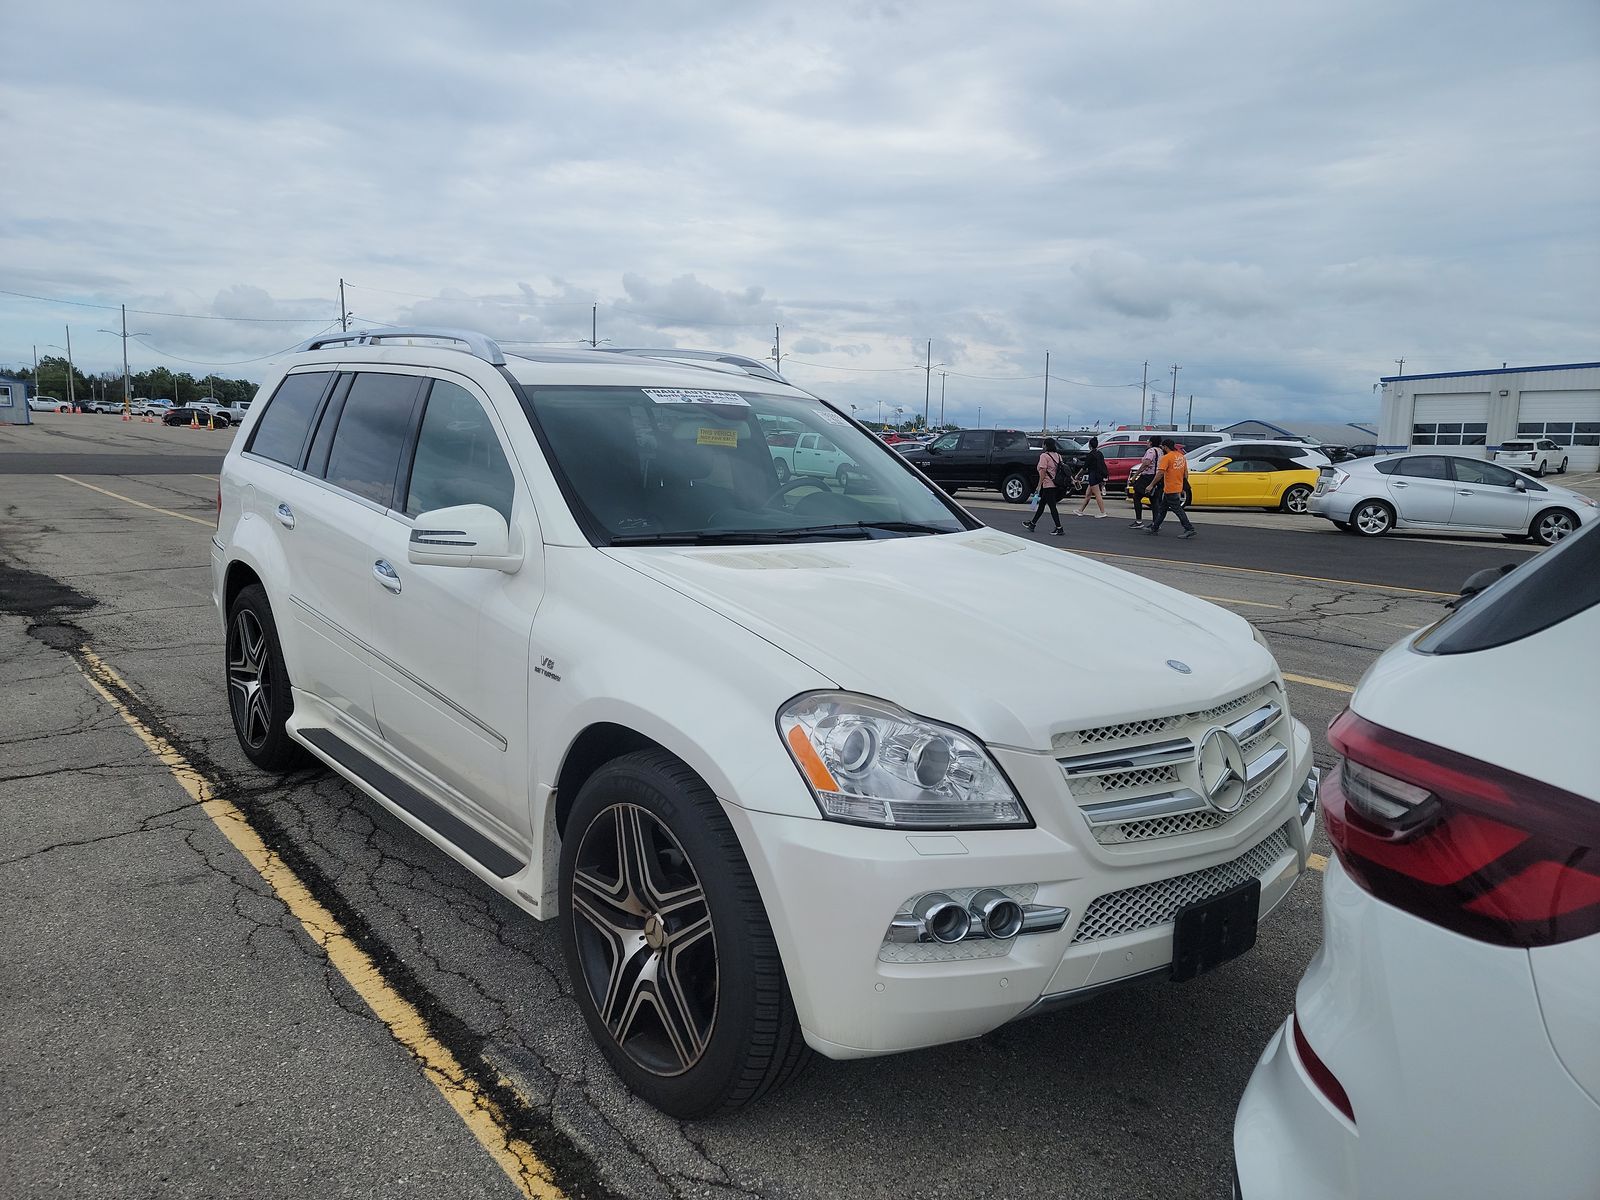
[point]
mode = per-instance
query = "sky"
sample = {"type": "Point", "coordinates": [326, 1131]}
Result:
{"type": "Point", "coordinates": [1281, 199]}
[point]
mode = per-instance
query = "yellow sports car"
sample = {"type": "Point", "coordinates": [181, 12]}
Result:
{"type": "Point", "coordinates": [1268, 483]}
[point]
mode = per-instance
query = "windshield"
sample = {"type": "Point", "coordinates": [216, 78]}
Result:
{"type": "Point", "coordinates": [676, 466]}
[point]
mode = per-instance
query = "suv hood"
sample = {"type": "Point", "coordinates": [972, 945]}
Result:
{"type": "Point", "coordinates": [1013, 642]}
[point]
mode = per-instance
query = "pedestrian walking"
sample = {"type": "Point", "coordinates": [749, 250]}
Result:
{"type": "Point", "coordinates": [1174, 469]}
{"type": "Point", "coordinates": [1052, 483]}
{"type": "Point", "coordinates": [1144, 480]}
{"type": "Point", "coordinates": [1094, 468]}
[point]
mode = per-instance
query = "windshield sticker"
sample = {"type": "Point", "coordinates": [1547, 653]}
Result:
{"type": "Point", "coordinates": [831, 417]}
{"type": "Point", "coordinates": [717, 437]}
{"type": "Point", "coordinates": [694, 396]}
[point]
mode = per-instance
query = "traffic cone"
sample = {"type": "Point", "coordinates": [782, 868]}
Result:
{"type": "Point", "coordinates": [194, 420]}
{"type": "Point", "coordinates": [126, 415]}
{"type": "Point", "coordinates": [211, 421]}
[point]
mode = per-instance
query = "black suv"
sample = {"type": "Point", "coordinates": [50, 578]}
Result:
{"type": "Point", "coordinates": [1001, 459]}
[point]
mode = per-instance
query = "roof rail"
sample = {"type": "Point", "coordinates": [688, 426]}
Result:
{"type": "Point", "coordinates": [475, 343]}
{"type": "Point", "coordinates": [750, 366]}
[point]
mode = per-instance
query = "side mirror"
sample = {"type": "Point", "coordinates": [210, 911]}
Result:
{"type": "Point", "coordinates": [1521, 485]}
{"type": "Point", "coordinates": [932, 449]}
{"type": "Point", "coordinates": [466, 535]}
{"type": "Point", "coordinates": [1481, 580]}
{"type": "Point", "coordinates": [1220, 466]}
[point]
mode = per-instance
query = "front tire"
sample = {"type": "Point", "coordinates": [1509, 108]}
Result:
{"type": "Point", "coordinates": [671, 956]}
{"type": "Point", "coordinates": [1551, 526]}
{"type": "Point", "coordinates": [259, 698]}
{"type": "Point", "coordinates": [1372, 518]}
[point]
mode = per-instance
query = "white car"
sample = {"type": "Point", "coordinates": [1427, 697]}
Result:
{"type": "Point", "coordinates": [46, 404]}
{"type": "Point", "coordinates": [560, 616]}
{"type": "Point", "coordinates": [1445, 1040]}
{"type": "Point", "coordinates": [1536, 456]}
{"type": "Point", "coordinates": [1272, 449]}
{"type": "Point", "coordinates": [1372, 496]}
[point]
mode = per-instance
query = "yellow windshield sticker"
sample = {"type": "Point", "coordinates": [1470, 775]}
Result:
{"type": "Point", "coordinates": [717, 437]}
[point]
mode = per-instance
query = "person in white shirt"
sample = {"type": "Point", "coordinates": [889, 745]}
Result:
{"type": "Point", "coordinates": [1144, 474]}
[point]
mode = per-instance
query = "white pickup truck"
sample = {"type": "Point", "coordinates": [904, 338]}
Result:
{"type": "Point", "coordinates": [810, 454]}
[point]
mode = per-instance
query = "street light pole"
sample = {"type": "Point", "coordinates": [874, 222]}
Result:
{"type": "Point", "coordinates": [1172, 405]}
{"type": "Point", "coordinates": [72, 392]}
{"type": "Point", "coordinates": [1144, 385]}
{"type": "Point", "coordinates": [943, 375]}
{"type": "Point", "coordinates": [1044, 423]}
{"type": "Point", "coordinates": [927, 385]}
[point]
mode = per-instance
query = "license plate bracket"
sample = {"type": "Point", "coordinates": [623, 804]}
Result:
{"type": "Point", "coordinates": [1210, 932]}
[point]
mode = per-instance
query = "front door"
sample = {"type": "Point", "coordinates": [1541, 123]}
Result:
{"type": "Point", "coordinates": [1423, 491]}
{"type": "Point", "coordinates": [450, 677]}
{"type": "Point", "coordinates": [1487, 497]}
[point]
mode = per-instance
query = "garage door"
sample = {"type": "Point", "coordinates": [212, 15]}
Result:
{"type": "Point", "coordinates": [1568, 419]}
{"type": "Point", "coordinates": [1457, 422]}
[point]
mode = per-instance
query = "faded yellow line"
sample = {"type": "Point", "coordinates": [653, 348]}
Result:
{"type": "Point", "coordinates": [1179, 564]}
{"type": "Point", "coordinates": [1317, 862]}
{"type": "Point", "coordinates": [1246, 603]}
{"type": "Point", "coordinates": [140, 503]}
{"type": "Point", "coordinates": [1321, 683]}
{"type": "Point", "coordinates": [477, 1110]}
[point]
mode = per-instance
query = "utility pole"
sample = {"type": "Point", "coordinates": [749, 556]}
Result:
{"type": "Point", "coordinates": [72, 394]}
{"type": "Point", "coordinates": [127, 392]}
{"type": "Point", "coordinates": [594, 327]}
{"type": "Point", "coordinates": [1401, 363]}
{"type": "Point", "coordinates": [1172, 405]}
{"type": "Point", "coordinates": [36, 390]}
{"type": "Point", "coordinates": [344, 314]}
{"type": "Point", "coordinates": [1190, 422]}
{"type": "Point", "coordinates": [1044, 423]}
{"type": "Point", "coordinates": [777, 349]}
{"type": "Point", "coordinates": [943, 375]}
{"type": "Point", "coordinates": [1144, 384]}
{"type": "Point", "coordinates": [927, 385]}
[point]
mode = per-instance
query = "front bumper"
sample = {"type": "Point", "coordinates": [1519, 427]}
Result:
{"type": "Point", "coordinates": [831, 891]}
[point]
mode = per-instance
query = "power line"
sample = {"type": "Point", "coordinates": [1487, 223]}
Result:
{"type": "Point", "coordinates": [150, 312]}
{"type": "Point", "coordinates": [200, 362]}
{"type": "Point", "coordinates": [795, 362]}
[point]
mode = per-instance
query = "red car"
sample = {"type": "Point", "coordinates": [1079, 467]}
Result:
{"type": "Point", "coordinates": [1121, 458]}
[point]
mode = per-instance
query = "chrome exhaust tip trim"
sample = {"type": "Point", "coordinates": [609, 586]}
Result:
{"type": "Point", "coordinates": [1307, 796]}
{"type": "Point", "coordinates": [944, 919]}
{"type": "Point", "coordinates": [997, 914]}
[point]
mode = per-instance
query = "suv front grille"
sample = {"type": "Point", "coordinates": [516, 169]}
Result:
{"type": "Point", "coordinates": [1134, 785]}
{"type": "Point", "coordinates": [1150, 904]}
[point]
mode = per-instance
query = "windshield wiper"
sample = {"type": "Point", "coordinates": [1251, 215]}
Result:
{"type": "Point", "coordinates": [718, 537]}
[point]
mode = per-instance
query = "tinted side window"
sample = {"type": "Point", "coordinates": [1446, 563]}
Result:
{"type": "Point", "coordinates": [372, 431]}
{"type": "Point", "coordinates": [280, 434]}
{"type": "Point", "coordinates": [1424, 466]}
{"type": "Point", "coordinates": [975, 440]}
{"type": "Point", "coordinates": [1387, 467]}
{"type": "Point", "coordinates": [1010, 441]}
{"type": "Point", "coordinates": [458, 458]}
{"type": "Point", "coordinates": [1471, 471]}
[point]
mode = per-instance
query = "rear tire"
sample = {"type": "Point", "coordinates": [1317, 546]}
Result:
{"type": "Point", "coordinates": [1296, 499]}
{"type": "Point", "coordinates": [1371, 518]}
{"type": "Point", "coordinates": [1544, 468]}
{"type": "Point", "coordinates": [259, 696]}
{"type": "Point", "coordinates": [1014, 487]}
{"type": "Point", "coordinates": [1562, 469]}
{"type": "Point", "coordinates": [667, 942]}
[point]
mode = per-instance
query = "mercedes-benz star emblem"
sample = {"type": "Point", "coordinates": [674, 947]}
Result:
{"type": "Point", "coordinates": [1182, 668]}
{"type": "Point", "coordinates": [1222, 771]}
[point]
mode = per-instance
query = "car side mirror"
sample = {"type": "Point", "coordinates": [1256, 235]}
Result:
{"type": "Point", "coordinates": [933, 449]}
{"type": "Point", "coordinates": [1481, 580]}
{"type": "Point", "coordinates": [465, 535]}
{"type": "Point", "coordinates": [1521, 485]}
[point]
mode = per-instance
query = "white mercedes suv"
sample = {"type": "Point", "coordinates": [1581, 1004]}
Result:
{"type": "Point", "coordinates": [558, 614]}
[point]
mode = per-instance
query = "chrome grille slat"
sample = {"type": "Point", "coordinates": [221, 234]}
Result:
{"type": "Point", "coordinates": [1148, 905]}
{"type": "Point", "coordinates": [1147, 726]}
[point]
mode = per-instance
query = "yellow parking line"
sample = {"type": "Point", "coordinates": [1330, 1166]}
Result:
{"type": "Point", "coordinates": [1321, 683]}
{"type": "Point", "coordinates": [1246, 603]}
{"type": "Point", "coordinates": [140, 503]}
{"type": "Point", "coordinates": [477, 1110]}
{"type": "Point", "coordinates": [1182, 564]}
{"type": "Point", "coordinates": [1317, 862]}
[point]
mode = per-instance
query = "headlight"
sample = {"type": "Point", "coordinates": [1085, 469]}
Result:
{"type": "Point", "coordinates": [1260, 641]}
{"type": "Point", "coordinates": [868, 762]}
{"type": "Point", "coordinates": [1588, 502]}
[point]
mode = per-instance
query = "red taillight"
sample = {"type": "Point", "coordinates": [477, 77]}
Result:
{"type": "Point", "coordinates": [1475, 848]}
{"type": "Point", "coordinates": [1325, 1080]}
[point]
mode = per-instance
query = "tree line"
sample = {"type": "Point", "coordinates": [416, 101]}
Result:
{"type": "Point", "coordinates": [180, 387]}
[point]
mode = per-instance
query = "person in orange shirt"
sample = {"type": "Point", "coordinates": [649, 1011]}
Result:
{"type": "Point", "coordinates": [1172, 468]}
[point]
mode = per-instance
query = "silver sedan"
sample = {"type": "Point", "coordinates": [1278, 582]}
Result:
{"type": "Point", "coordinates": [1372, 496]}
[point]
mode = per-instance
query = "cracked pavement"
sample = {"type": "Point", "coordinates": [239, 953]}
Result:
{"type": "Point", "coordinates": [170, 1029]}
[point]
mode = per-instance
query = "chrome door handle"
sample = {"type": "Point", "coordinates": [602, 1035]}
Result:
{"type": "Point", "coordinates": [1466, 493]}
{"type": "Point", "coordinates": [286, 516]}
{"type": "Point", "coordinates": [386, 575]}
{"type": "Point", "coordinates": [1398, 484]}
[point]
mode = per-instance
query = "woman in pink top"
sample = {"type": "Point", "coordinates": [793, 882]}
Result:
{"type": "Point", "coordinates": [1052, 483]}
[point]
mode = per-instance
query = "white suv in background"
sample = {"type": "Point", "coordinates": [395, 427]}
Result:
{"type": "Point", "coordinates": [559, 615]}
{"type": "Point", "coordinates": [1445, 1040]}
{"type": "Point", "coordinates": [1536, 456]}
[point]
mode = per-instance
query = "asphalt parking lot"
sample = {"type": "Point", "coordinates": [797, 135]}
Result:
{"type": "Point", "coordinates": [171, 1026]}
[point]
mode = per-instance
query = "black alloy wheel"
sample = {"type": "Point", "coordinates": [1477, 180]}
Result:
{"type": "Point", "coordinates": [259, 699]}
{"type": "Point", "coordinates": [671, 956]}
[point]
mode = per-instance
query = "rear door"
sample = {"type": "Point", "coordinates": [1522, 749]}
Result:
{"type": "Point", "coordinates": [1423, 490]}
{"type": "Point", "coordinates": [1487, 497]}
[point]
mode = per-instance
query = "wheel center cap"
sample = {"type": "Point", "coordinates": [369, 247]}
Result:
{"type": "Point", "coordinates": [655, 931]}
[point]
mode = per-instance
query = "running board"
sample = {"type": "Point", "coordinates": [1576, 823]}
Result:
{"type": "Point", "coordinates": [401, 794]}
